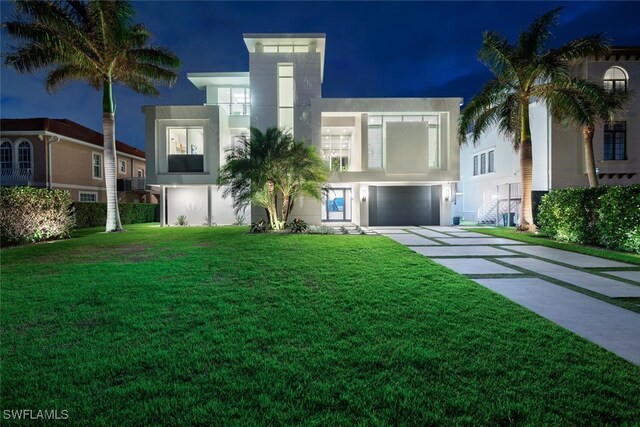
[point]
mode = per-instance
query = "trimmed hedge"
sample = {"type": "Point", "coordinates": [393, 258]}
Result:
{"type": "Point", "coordinates": [30, 214]}
{"type": "Point", "coordinates": [89, 214]}
{"type": "Point", "coordinates": [605, 216]}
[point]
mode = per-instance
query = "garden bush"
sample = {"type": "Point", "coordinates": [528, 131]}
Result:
{"type": "Point", "coordinates": [606, 216]}
{"type": "Point", "coordinates": [90, 214]}
{"type": "Point", "coordinates": [571, 214]}
{"type": "Point", "coordinates": [30, 214]}
{"type": "Point", "coordinates": [619, 219]}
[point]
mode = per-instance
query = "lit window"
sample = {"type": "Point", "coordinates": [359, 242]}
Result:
{"type": "Point", "coordinates": [88, 197]}
{"type": "Point", "coordinates": [615, 78]}
{"type": "Point", "coordinates": [122, 166]}
{"type": "Point", "coordinates": [6, 158]}
{"type": "Point", "coordinates": [97, 165]}
{"type": "Point", "coordinates": [615, 141]}
{"type": "Point", "coordinates": [236, 100]}
{"type": "Point", "coordinates": [286, 48]}
{"type": "Point", "coordinates": [286, 89]}
{"type": "Point", "coordinates": [475, 165]}
{"type": "Point", "coordinates": [336, 145]}
{"type": "Point", "coordinates": [492, 166]}
{"type": "Point", "coordinates": [186, 141]}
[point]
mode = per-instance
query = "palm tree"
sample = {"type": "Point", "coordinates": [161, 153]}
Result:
{"type": "Point", "coordinates": [95, 42]}
{"type": "Point", "coordinates": [525, 72]}
{"type": "Point", "coordinates": [592, 105]}
{"type": "Point", "coordinates": [271, 166]}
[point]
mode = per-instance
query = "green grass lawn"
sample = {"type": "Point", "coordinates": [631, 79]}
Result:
{"type": "Point", "coordinates": [212, 326]}
{"type": "Point", "coordinates": [542, 240]}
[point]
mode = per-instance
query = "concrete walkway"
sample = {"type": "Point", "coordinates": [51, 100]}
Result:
{"type": "Point", "coordinates": [483, 258]}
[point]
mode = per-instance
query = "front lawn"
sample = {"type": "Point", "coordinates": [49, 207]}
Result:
{"type": "Point", "coordinates": [541, 239]}
{"type": "Point", "coordinates": [213, 326]}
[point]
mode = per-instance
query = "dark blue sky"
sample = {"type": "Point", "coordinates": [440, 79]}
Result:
{"type": "Point", "coordinates": [374, 49]}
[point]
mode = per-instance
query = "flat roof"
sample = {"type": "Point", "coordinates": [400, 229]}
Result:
{"type": "Point", "coordinates": [202, 80]}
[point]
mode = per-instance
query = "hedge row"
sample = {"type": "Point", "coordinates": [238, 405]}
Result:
{"type": "Point", "coordinates": [605, 216]}
{"type": "Point", "coordinates": [29, 214]}
{"type": "Point", "coordinates": [90, 214]}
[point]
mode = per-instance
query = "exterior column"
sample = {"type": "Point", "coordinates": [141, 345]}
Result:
{"type": "Point", "coordinates": [209, 205]}
{"type": "Point", "coordinates": [162, 202]}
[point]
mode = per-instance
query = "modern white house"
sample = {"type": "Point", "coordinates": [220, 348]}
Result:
{"type": "Point", "coordinates": [489, 185]}
{"type": "Point", "coordinates": [394, 161]}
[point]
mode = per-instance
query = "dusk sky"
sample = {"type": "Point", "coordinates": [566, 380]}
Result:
{"type": "Point", "coordinates": [373, 49]}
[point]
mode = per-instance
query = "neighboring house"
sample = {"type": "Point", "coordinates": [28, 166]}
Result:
{"type": "Point", "coordinates": [394, 161]}
{"type": "Point", "coordinates": [59, 153]}
{"type": "Point", "coordinates": [490, 169]}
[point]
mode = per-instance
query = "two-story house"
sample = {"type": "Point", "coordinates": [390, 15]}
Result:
{"type": "Point", "coordinates": [59, 153]}
{"type": "Point", "coordinates": [490, 169]}
{"type": "Point", "coordinates": [393, 161]}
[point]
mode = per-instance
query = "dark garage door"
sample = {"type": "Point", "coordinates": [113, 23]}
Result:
{"type": "Point", "coordinates": [404, 205]}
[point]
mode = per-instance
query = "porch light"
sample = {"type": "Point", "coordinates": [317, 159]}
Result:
{"type": "Point", "coordinates": [447, 194]}
{"type": "Point", "coordinates": [363, 194]}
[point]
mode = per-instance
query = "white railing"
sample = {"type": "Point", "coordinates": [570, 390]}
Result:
{"type": "Point", "coordinates": [16, 176]}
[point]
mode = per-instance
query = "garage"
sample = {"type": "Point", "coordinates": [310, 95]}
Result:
{"type": "Point", "coordinates": [404, 205]}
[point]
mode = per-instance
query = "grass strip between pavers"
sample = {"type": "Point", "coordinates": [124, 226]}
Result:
{"type": "Point", "coordinates": [196, 325]}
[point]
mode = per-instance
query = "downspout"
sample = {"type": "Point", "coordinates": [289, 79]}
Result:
{"type": "Point", "coordinates": [50, 141]}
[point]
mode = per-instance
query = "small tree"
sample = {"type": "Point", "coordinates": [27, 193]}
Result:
{"type": "Point", "coordinates": [271, 167]}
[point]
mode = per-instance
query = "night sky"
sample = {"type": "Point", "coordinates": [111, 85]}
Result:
{"type": "Point", "coordinates": [374, 49]}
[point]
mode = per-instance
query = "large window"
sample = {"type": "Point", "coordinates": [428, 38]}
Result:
{"type": "Point", "coordinates": [336, 146]}
{"type": "Point", "coordinates": [96, 165]}
{"type": "Point", "coordinates": [615, 78]}
{"type": "Point", "coordinates": [286, 96]}
{"type": "Point", "coordinates": [615, 141]}
{"type": "Point", "coordinates": [377, 136]}
{"type": "Point", "coordinates": [236, 100]}
{"type": "Point", "coordinates": [6, 158]}
{"type": "Point", "coordinates": [24, 157]}
{"type": "Point", "coordinates": [285, 49]}
{"type": "Point", "coordinates": [187, 141]}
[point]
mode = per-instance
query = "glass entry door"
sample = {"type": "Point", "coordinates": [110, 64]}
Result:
{"type": "Point", "coordinates": [337, 206]}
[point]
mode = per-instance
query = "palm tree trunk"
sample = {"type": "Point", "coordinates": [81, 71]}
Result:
{"type": "Point", "coordinates": [285, 208]}
{"type": "Point", "coordinates": [108, 129]}
{"type": "Point", "coordinates": [587, 139]}
{"type": "Point", "coordinates": [526, 171]}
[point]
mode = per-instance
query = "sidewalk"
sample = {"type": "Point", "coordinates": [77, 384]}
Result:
{"type": "Point", "coordinates": [526, 274]}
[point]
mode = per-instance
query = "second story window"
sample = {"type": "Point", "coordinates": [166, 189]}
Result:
{"type": "Point", "coordinates": [484, 163]}
{"type": "Point", "coordinates": [286, 96]}
{"type": "Point", "coordinates": [492, 165]}
{"type": "Point", "coordinates": [186, 149]}
{"type": "Point", "coordinates": [96, 165]}
{"type": "Point", "coordinates": [615, 141]}
{"type": "Point", "coordinates": [122, 166]}
{"type": "Point", "coordinates": [235, 100]}
{"type": "Point", "coordinates": [615, 78]}
{"type": "Point", "coordinates": [6, 158]}
{"type": "Point", "coordinates": [475, 165]}
{"type": "Point", "coordinates": [24, 157]}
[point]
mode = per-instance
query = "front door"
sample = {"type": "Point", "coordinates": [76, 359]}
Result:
{"type": "Point", "coordinates": [337, 206]}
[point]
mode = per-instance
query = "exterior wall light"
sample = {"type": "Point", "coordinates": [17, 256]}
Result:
{"type": "Point", "coordinates": [363, 194]}
{"type": "Point", "coordinates": [447, 194]}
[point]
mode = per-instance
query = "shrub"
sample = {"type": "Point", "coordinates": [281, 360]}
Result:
{"type": "Point", "coordinates": [320, 229]}
{"type": "Point", "coordinates": [182, 220]}
{"type": "Point", "coordinates": [29, 214]}
{"type": "Point", "coordinates": [619, 218]}
{"type": "Point", "coordinates": [258, 227]}
{"type": "Point", "coordinates": [90, 214]}
{"type": "Point", "coordinates": [571, 214]}
{"type": "Point", "coordinates": [606, 216]}
{"type": "Point", "coordinates": [298, 226]}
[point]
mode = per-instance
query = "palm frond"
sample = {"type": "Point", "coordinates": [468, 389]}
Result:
{"type": "Point", "coordinates": [66, 73]}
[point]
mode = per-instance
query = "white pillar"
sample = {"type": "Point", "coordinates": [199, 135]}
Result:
{"type": "Point", "coordinates": [209, 205]}
{"type": "Point", "coordinates": [163, 202]}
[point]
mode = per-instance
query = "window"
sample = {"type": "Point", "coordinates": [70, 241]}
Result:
{"type": "Point", "coordinates": [286, 88]}
{"type": "Point", "coordinates": [475, 165]}
{"type": "Point", "coordinates": [615, 78]}
{"type": "Point", "coordinates": [88, 197]}
{"type": "Point", "coordinates": [140, 173]}
{"type": "Point", "coordinates": [6, 158]}
{"type": "Point", "coordinates": [615, 141]}
{"type": "Point", "coordinates": [236, 100]}
{"type": "Point", "coordinates": [483, 163]}
{"type": "Point", "coordinates": [492, 164]}
{"type": "Point", "coordinates": [336, 145]}
{"type": "Point", "coordinates": [186, 141]}
{"type": "Point", "coordinates": [375, 143]}
{"type": "Point", "coordinates": [24, 158]}
{"type": "Point", "coordinates": [97, 165]}
{"type": "Point", "coordinates": [286, 49]}
{"type": "Point", "coordinates": [122, 166]}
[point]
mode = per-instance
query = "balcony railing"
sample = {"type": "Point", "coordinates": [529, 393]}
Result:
{"type": "Point", "coordinates": [16, 176]}
{"type": "Point", "coordinates": [132, 184]}
{"type": "Point", "coordinates": [186, 163]}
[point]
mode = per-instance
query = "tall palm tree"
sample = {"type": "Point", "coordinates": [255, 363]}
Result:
{"type": "Point", "coordinates": [95, 42]}
{"type": "Point", "coordinates": [592, 105]}
{"type": "Point", "coordinates": [268, 167]}
{"type": "Point", "coordinates": [525, 72]}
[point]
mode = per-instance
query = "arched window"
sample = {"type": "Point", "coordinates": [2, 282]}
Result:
{"type": "Point", "coordinates": [6, 158]}
{"type": "Point", "coordinates": [24, 158]}
{"type": "Point", "coordinates": [615, 78]}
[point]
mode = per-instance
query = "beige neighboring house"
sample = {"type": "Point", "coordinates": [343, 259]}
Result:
{"type": "Point", "coordinates": [59, 153]}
